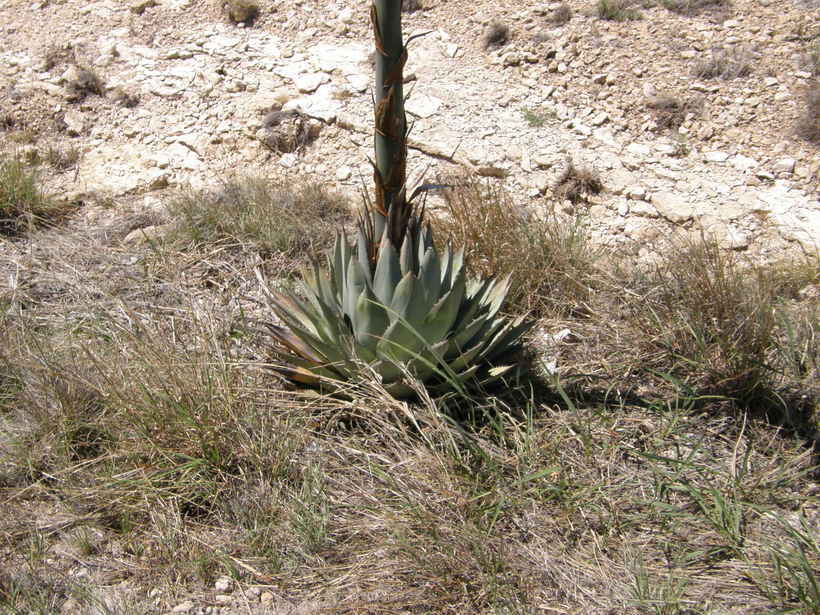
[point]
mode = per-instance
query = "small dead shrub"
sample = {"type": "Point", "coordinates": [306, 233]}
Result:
{"type": "Point", "coordinates": [726, 64]}
{"type": "Point", "coordinates": [84, 82]}
{"type": "Point", "coordinates": [561, 15]}
{"type": "Point", "coordinates": [241, 11]}
{"type": "Point", "coordinates": [669, 112]}
{"type": "Point", "coordinates": [617, 10]}
{"type": "Point", "coordinates": [575, 184]}
{"type": "Point", "coordinates": [411, 6]}
{"type": "Point", "coordinates": [287, 131]}
{"type": "Point", "coordinates": [54, 55]}
{"type": "Point", "coordinates": [808, 125]}
{"type": "Point", "coordinates": [496, 35]}
{"type": "Point", "coordinates": [7, 122]}
{"type": "Point", "coordinates": [124, 98]}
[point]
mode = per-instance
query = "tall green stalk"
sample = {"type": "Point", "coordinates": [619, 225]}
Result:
{"type": "Point", "coordinates": [390, 168]}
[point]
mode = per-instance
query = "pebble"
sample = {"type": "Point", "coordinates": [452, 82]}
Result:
{"type": "Point", "coordinates": [223, 585]}
{"type": "Point", "coordinates": [784, 165]}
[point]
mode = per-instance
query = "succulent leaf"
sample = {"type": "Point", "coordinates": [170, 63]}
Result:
{"type": "Point", "coordinates": [388, 272]}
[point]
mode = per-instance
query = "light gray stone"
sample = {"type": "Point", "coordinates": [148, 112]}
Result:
{"type": "Point", "coordinates": [343, 173]}
{"type": "Point", "coordinates": [74, 122]}
{"type": "Point", "coordinates": [422, 105]}
{"type": "Point", "coordinates": [672, 206]}
{"type": "Point", "coordinates": [715, 156]}
{"type": "Point", "coordinates": [743, 163]}
{"type": "Point", "coordinates": [639, 149]}
{"type": "Point", "coordinates": [310, 82]}
{"type": "Point", "coordinates": [784, 165]}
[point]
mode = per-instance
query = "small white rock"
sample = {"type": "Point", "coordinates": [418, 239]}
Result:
{"type": "Point", "coordinates": [343, 173]}
{"type": "Point", "coordinates": [223, 585]}
{"type": "Point", "coordinates": [715, 156]}
{"type": "Point", "coordinates": [784, 165]}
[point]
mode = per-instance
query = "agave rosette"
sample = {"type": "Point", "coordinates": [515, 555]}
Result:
{"type": "Point", "coordinates": [404, 312]}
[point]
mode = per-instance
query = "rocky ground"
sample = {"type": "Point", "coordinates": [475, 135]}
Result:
{"type": "Point", "coordinates": [157, 94]}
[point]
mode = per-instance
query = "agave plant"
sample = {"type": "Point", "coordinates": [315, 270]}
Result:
{"type": "Point", "coordinates": [389, 300]}
{"type": "Point", "coordinates": [416, 314]}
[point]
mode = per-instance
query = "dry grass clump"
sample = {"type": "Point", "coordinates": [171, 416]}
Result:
{"type": "Point", "coordinates": [125, 98]}
{"type": "Point", "coordinates": [808, 125]}
{"type": "Point", "coordinates": [271, 216]}
{"type": "Point", "coordinates": [61, 158]}
{"type": "Point", "coordinates": [497, 34]}
{"type": "Point", "coordinates": [288, 131]}
{"type": "Point", "coordinates": [723, 327]}
{"type": "Point", "coordinates": [145, 447]}
{"type": "Point", "coordinates": [560, 15]}
{"type": "Point", "coordinates": [551, 261]}
{"type": "Point", "coordinates": [241, 11]}
{"type": "Point", "coordinates": [694, 7]}
{"type": "Point", "coordinates": [83, 83]}
{"type": "Point", "coordinates": [411, 6]}
{"type": "Point", "coordinates": [617, 10]}
{"type": "Point", "coordinates": [725, 63]}
{"type": "Point", "coordinates": [669, 112]}
{"type": "Point", "coordinates": [23, 205]}
{"type": "Point", "coordinates": [575, 184]}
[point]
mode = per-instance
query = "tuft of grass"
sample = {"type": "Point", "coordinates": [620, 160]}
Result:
{"type": "Point", "coordinates": [575, 184]}
{"type": "Point", "coordinates": [724, 325]}
{"type": "Point", "coordinates": [23, 205]}
{"type": "Point", "coordinates": [293, 218]}
{"type": "Point", "coordinates": [241, 11]}
{"type": "Point", "coordinates": [538, 117]}
{"type": "Point", "coordinates": [725, 63]}
{"type": "Point", "coordinates": [617, 10]}
{"type": "Point", "coordinates": [497, 34]}
{"type": "Point", "coordinates": [560, 15]}
{"type": "Point", "coordinates": [694, 7]}
{"type": "Point", "coordinates": [559, 269]}
{"type": "Point", "coordinates": [61, 158]}
{"type": "Point", "coordinates": [808, 124]}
